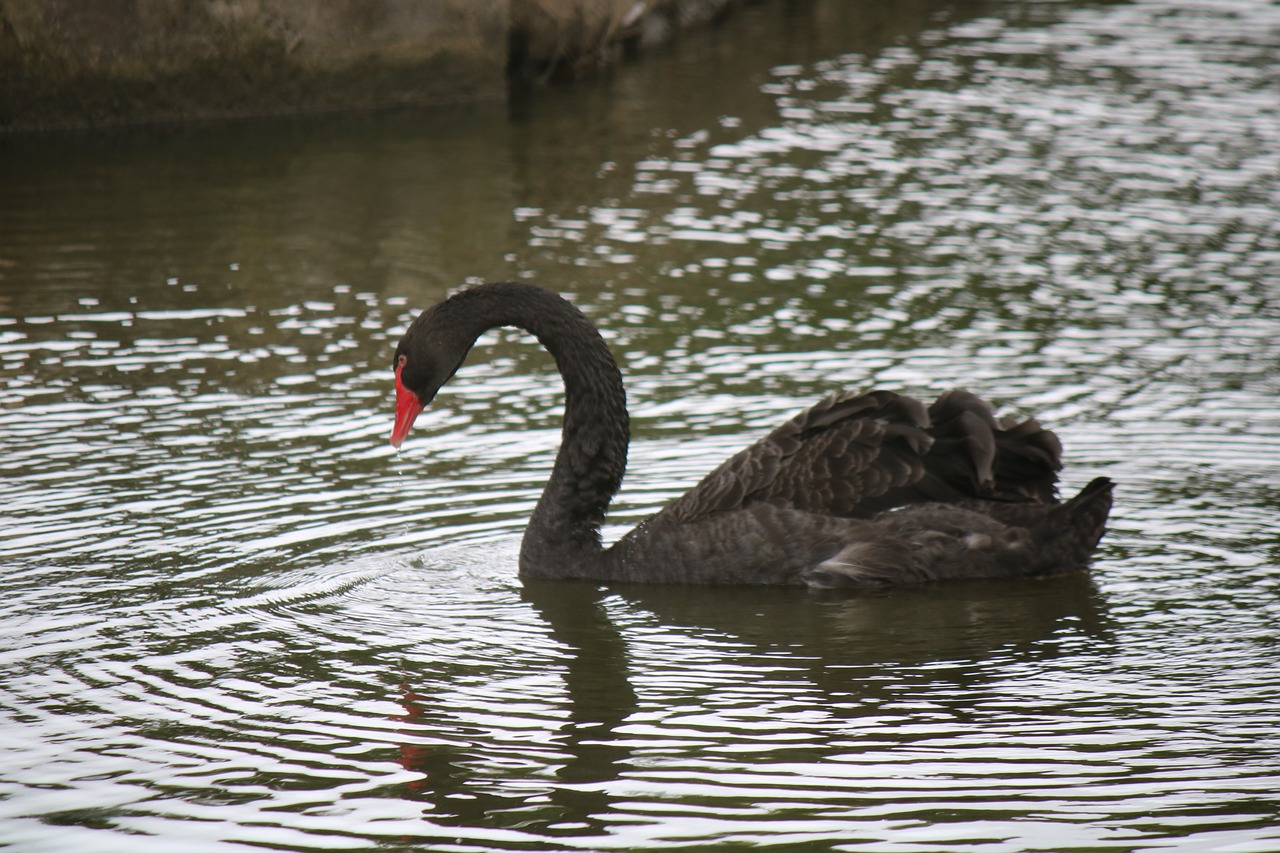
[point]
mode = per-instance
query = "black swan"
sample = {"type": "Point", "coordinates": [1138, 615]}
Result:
{"type": "Point", "coordinates": [862, 489]}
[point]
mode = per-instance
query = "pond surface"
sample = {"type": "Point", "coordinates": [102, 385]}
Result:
{"type": "Point", "coordinates": [232, 616]}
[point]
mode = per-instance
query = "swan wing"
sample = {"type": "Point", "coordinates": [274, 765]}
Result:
{"type": "Point", "coordinates": [835, 458]}
{"type": "Point", "coordinates": [856, 454]}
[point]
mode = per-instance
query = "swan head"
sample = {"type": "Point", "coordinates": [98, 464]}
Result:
{"type": "Point", "coordinates": [409, 403]}
{"type": "Point", "coordinates": [426, 358]}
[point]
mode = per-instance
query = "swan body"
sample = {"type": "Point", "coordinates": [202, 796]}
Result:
{"type": "Point", "coordinates": [862, 489]}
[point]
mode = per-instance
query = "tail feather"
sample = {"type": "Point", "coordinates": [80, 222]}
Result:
{"type": "Point", "coordinates": [1076, 527]}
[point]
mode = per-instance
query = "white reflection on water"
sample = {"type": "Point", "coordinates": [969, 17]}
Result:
{"type": "Point", "coordinates": [231, 613]}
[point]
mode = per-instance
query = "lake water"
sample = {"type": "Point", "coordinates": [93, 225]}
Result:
{"type": "Point", "coordinates": [233, 617]}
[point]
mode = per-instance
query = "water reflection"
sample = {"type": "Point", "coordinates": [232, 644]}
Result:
{"type": "Point", "coordinates": [230, 613]}
{"type": "Point", "coordinates": [459, 784]}
{"type": "Point", "coordinates": [842, 661]}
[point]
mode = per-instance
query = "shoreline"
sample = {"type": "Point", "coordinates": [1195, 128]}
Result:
{"type": "Point", "coordinates": [69, 65]}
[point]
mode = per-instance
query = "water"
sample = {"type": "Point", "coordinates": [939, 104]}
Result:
{"type": "Point", "coordinates": [232, 616]}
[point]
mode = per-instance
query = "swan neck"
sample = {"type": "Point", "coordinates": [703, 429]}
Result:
{"type": "Point", "coordinates": [563, 536]}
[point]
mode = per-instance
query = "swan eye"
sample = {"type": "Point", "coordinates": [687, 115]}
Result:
{"type": "Point", "coordinates": [400, 360]}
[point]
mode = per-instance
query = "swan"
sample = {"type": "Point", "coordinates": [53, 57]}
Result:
{"type": "Point", "coordinates": [862, 489]}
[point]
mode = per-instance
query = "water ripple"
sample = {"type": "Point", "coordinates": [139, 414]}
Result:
{"type": "Point", "coordinates": [233, 615]}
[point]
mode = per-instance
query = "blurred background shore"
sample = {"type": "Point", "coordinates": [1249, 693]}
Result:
{"type": "Point", "coordinates": [71, 64]}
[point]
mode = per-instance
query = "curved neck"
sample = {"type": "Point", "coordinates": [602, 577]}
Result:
{"type": "Point", "coordinates": [563, 537]}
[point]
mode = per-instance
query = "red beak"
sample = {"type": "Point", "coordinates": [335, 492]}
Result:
{"type": "Point", "coordinates": [408, 407]}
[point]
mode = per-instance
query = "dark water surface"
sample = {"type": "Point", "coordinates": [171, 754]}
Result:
{"type": "Point", "coordinates": [232, 616]}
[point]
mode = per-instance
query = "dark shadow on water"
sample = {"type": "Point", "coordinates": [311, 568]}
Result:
{"type": "Point", "coordinates": [842, 644]}
{"type": "Point", "coordinates": [905, 625]}
{"type": "Point", "coordinates": [846, 640]}
{"type": "Point", "coordinates": [458, 784]}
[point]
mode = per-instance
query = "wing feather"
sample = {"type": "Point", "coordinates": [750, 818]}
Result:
{"type": "Point", "coordinates": [832, 458]}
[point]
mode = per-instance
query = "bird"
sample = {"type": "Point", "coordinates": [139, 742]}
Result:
{"type": "Point", "coordinates": [863, 489]}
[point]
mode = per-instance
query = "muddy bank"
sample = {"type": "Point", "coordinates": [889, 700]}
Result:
{"type": "Point", "coordinates": [66, 63]}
